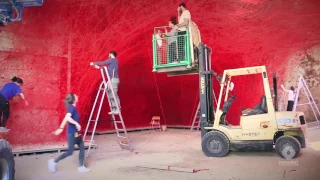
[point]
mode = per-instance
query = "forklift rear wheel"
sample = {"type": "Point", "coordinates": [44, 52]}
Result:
{"type": "Point", "coordinates": [288, 147]}
{"type": "Point", "coordinates": [6, 161]}
{"type": "Point", "coordinates": [215, 144]}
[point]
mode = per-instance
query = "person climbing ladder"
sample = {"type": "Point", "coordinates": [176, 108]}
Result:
{"type": "Point", "coordinates": [8, 91]}
{"type": "Point", "coordinates": [113, 71]}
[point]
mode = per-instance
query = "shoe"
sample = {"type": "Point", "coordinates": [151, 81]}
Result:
{"type": "Point", "coordinates": [83, 169]}
{"type": "Point", "coordinates": [52, 166]}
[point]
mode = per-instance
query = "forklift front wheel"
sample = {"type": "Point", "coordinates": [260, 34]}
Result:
{"type": "Point", "coordinates": [288, 147]}
{"type": "Point", "coordinates": [215, 144]}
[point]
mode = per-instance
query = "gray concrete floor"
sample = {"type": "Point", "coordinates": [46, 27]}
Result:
{"type": "Point", "coordinates": [179, 148]}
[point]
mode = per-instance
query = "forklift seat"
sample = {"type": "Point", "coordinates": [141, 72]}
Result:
{"type": "Point", "coordinates": [258, 109]}
{"type": "Point", "coordinates": [263, 105]}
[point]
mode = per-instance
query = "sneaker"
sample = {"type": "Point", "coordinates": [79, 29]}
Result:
{"type": "Point", "coordinates": [83, 169]}
{"type": "Point", "coordinates": [52, 166]}
{"type": "Point", "coordinates": [3, 129]}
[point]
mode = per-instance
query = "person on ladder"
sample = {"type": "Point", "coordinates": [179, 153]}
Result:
{"type": "Point", "coordinates": [290, 97]}
{"type": "Point", "coordinates": [8, 91]}
{"type": "Point", "coordinates": [113, 70]}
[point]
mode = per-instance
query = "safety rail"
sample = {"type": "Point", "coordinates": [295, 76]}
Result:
{"type": "Point", "coordinates": [171, 51]}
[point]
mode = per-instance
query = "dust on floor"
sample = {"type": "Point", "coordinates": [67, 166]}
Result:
{"type": "Point", "coordinates": [177, 148]}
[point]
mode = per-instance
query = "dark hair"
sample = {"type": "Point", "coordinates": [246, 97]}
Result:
{"type": "Point", "coordinates": [114, 53]}
{"type": "Point", "coordinates": [292, 88]}
{"type": "Point", "coordinates": [17, 80]}
{"type": "Point", "coordinates": [69, 100]}
{"type": "Point", "coordinates": [173, 20]}
{"type": "Point", "coordinates": [183, 5]}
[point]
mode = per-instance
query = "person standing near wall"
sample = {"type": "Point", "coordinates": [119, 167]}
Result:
{"type": "Point", "coordinates": [73, 118]}
{"type": "Point", "coordinates": [8, 91]}
{"type": "Point", "coordinates": [291, 95]}
{"type": "Point", "coordinates": [113, 70]}
{"type": "Point", "coordinates": [184, 20]}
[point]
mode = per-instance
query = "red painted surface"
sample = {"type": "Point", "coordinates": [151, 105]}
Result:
{"type": "Point", "coordinates": [241, 32]}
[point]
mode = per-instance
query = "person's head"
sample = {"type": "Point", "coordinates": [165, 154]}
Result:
{"type": "Point", "coordinates": [173, 21]}
{"type": "Point", "coordinates": [292, 88]}
{"type": "Point", "coordinates": [112, 54]}
{"type": "Point", "coordinates": [71, 99]}
{"type": "Point", "coordinates": [182, 7]}
{"type": "Point", "coordinates": [17, 80]}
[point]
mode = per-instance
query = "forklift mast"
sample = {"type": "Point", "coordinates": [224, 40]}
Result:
{"type": "Point", "coordinates": [206, 91]}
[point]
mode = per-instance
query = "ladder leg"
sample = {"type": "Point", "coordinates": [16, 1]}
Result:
{"type": "Point", "coordinates": [92, 111]}
{"type": "Point", "coordinates": [115, 97]}
{"type": "Point", "coordinates": [308, 93]}
{"type": "Point", "coordinates": [95, 123]}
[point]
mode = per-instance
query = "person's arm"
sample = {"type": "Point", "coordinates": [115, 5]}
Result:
{"type": "Point", "coordinates": [101, 63]}
{"type": "Point", "coordinates": [171, 33]}
{"type": "Point", "coordinates": [66, 119]}
{"type": "Point", "coordinates": [185, 22]}
{"type": "Point", "coordinates": [24, 98]}
{"type": "Point", "coordinates": [284, 88]}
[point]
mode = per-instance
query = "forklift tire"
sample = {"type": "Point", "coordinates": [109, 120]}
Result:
{"type": "Point", "coordinates": [6, 161]}
{"type": "Point", "coordinates": [221, 141]}
{"type": "Point", "coordinates": [288, 147]}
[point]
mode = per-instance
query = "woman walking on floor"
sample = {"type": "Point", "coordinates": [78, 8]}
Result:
{"type": "Point", "coordinates": [73, 118]}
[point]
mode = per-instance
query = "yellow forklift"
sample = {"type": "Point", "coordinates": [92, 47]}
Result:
{"type": "Point", "coordinates": [260, 128]}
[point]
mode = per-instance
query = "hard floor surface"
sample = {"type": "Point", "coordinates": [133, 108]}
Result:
{"type": "Point", "coordinates": [177, 148]}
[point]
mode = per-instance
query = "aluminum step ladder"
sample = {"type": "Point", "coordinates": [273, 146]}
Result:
{"type": "Point", "coordinates": [303, 85]}
{"type": "Point", "coordinates": [105, 87]}
{"type": "Point", "coordinates": [196, 119]}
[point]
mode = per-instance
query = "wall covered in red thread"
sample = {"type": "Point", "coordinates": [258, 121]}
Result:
{"type": "Point", "coordinates": [52, 47]}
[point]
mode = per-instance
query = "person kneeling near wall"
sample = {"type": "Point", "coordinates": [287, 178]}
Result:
{"type": "Point", "coordinates": [8, 91]}
{"type": "Point", "coordinates": [72, 117]}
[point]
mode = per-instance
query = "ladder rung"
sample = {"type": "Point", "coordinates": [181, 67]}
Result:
{"type": "Point", "coordinates": [123, 137]}
{"type": "Point", "coordinates": [121, 129]}
{"type": "Point", "coordinates": [118, 121]}
{"type": "Point", "coordinates": [124, 144]}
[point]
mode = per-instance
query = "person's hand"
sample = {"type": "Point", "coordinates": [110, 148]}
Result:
{"type": "Point", "coordinates": [57, 132]}
{"type": "Point", "coordinates": [78, 127]}
{"type": "Point", "coordinates": [91, 63]}
{"type": "Point", "coordinates": [175, 27]}
{"type": "Point", "coordinates": [95, 66]}
{"type": "Point", "coordinates": [26, 102]}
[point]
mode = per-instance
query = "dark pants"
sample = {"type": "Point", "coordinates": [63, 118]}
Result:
{"type": "Point", "coordinates": [172, 52]}
{"type": "Point", "coordinates": [71, 142]}
{"type": "Point", "coordinates": [290, 106]}
{"type": "Point", "coordinates": [181, 45]}
{"type": "Point", "coordinates": [4, 111]}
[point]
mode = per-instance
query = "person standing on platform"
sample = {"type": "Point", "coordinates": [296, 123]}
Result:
{"type": "Point", "coordinates": [8, 91]}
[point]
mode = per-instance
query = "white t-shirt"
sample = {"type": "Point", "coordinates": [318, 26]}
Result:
{"type": "Point", "coordinates": [291, 95]}
{"type": "Point", "coordinates": [185, 15]}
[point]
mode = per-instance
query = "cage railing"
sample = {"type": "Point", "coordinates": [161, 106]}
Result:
{"type": "Point", "coordinates": [170, 51]}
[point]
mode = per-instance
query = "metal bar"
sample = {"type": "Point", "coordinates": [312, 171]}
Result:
{"type": "Point", "coordinates": [91, 114]}
{"type": "Point", "coordinates": [309, 93]}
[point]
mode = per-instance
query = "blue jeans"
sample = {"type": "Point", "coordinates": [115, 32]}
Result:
{"type": "Point", "coordinates": [71, 142]}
